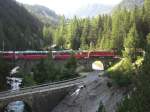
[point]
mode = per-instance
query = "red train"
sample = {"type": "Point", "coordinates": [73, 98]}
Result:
{"type": "Point", "coordinates": [62, 55]}
{"type": "Point", "coordinates": [26, 55]}
{"type": "Point", "coordinates": [58, 55]}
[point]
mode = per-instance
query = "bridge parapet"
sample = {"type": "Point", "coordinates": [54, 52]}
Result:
{"type": "Point", "coordinates": [42, 97]}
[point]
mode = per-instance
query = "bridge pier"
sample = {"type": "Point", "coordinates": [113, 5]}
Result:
{"type": "Point", "coordinates": [47, 101]}
{"type": "Point", "coordinates": [39, 102]}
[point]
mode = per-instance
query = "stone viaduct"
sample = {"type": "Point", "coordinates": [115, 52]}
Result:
{"type": "Point", "coordinates": [42, 98]}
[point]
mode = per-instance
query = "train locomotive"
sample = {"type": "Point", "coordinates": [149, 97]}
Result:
{"type": "Point", "coordinates": [56, 55]}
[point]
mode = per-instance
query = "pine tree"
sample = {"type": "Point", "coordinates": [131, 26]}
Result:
{"type": "Point", "coordinates": [4, 72]}
{"type": "Point", "coordinates": [147, 16]}
{"type": "Point", "coordinates": [140, 97]}
{"type": "Point", "coordinates": [48, 35]}
{"type": "Point", "coordinates": [85, 33]}
{"type": "Point", "coordinates": [106, 42]}
{"type": "Point", "coordinates": [60, 34]}
{"type": "Point", "coordinates": [75, 34]}
{"type": "Point", "coordinates": [100, 27]}
{"type": "Point", "coordinates": [120, 26]}
{"type": "Point", "coordinates": [131, 43]}
{"type": "Point", "coordinates": [2, 37]}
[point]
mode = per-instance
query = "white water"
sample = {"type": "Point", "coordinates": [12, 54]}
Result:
{"type": "Point", "coordinates": [77, 91]}
{"type": "Point", "coordinates": [17, 106]}
{"type": "Point", "coordinates": [14, 82]}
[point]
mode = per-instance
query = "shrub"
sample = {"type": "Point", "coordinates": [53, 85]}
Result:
{"type": "Point", "coordinates": [122, 74]}
{"type": "Point", "coordinates": [28, 80]}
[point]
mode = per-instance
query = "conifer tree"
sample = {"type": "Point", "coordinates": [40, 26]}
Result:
{"type": "Point", "coordinates": [85, 33]}
{"type": "Point", "coordinates": [140, 97]}
{"type": "Point", "coordinates": [131, 43]}
{"type": "Point", "coordinates": [4, 72]}
{"type": "Point", "coordinates": [147, 16]}
{"type": "Point", "coordinates": [60, 34]}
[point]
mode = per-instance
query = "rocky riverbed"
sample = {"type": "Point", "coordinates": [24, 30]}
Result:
{"type": "Point", "coordinates": [87, 97]}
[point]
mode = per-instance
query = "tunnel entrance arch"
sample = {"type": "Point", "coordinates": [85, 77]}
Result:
{"type": "Point", "coordinates": [98, 65]}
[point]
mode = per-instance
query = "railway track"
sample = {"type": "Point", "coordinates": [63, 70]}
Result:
{"type": "Point", "coordinates": [41, 88]}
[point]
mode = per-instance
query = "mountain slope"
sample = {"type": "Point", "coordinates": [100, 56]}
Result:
{"type": "Point", "coordinates": [130, 4]}
{"type": "Point", "coordinates": [44, 14]}
{"type": "Point", "coordinates": [19, 30]}
{"type": "Point", "coordinates": [92, 10]}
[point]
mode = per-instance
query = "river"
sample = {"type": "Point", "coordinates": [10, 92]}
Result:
{"type": "Point", "coordinates": [14, 82]}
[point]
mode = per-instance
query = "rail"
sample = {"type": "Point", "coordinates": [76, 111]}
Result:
{"type": "Point", "coordinates": [41, 88]}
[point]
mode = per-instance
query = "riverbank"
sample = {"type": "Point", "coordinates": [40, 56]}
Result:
{"type": "Point", "coordinates": [95, 90]}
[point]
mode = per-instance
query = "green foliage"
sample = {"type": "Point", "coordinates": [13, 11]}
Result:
{"type": "Point", "coordinates": [85, 33]}
{"type": "Point", "coordinates": [122, 73]}
{"type": "Point", "coordinates": [71, 66]}
{"type": "Point", "coordinates": [147, 12]}
{"type": "Point", "coordinates": [132, 39]}
{"type": "Point", "coordinates": [120, 28]}
{"type": "Point", "coordinates": [19, 30]}
{"type": "Point", "coordinates": [103, 31]}
{"type": "Point", "coordinates": [68, 70]}
{"type": "Point", "coordinates": [47, 70]}
{"type": "Point", "coordinates": [4, 72]}
{"type": "Point", "coordinates": [48, 34]}
{"type": "Point", "coordinates": [28, 80]}
{"type": "Point", "coordinates": [60, 34]}
{"type": "Point", "coordinates": [140, 97]}
{"type": "Point", "coordinates": [44, 71]}
{"type": "Point", "coordinates": [75, 34]}
{"type": "Point", "coordinates": [131, 43]}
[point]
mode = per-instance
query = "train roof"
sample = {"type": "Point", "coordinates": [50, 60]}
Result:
{"type": "Point", "coordinates": [31, 51]}
{"type": "Point", "coordinates": [19, 52]}
{"type": "Point", "coordinates": [6, 51]}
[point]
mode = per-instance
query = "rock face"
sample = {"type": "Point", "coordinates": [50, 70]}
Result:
{"type": "Point", "coordinates": [90, 96]}
{"type": "Point", "coordinates": [131, 4]}
{"type": "Point", "coordinates": [44, 14]}
{"type": "Point", "coordinates": [93, 10]}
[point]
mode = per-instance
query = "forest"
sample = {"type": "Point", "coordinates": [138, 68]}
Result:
{"type": "Point", "coordinates": [19, 30]}
{"type": "Point", "coordinates": [104, 32]}
{"type": "Point", "coordinates": [125, 31]}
